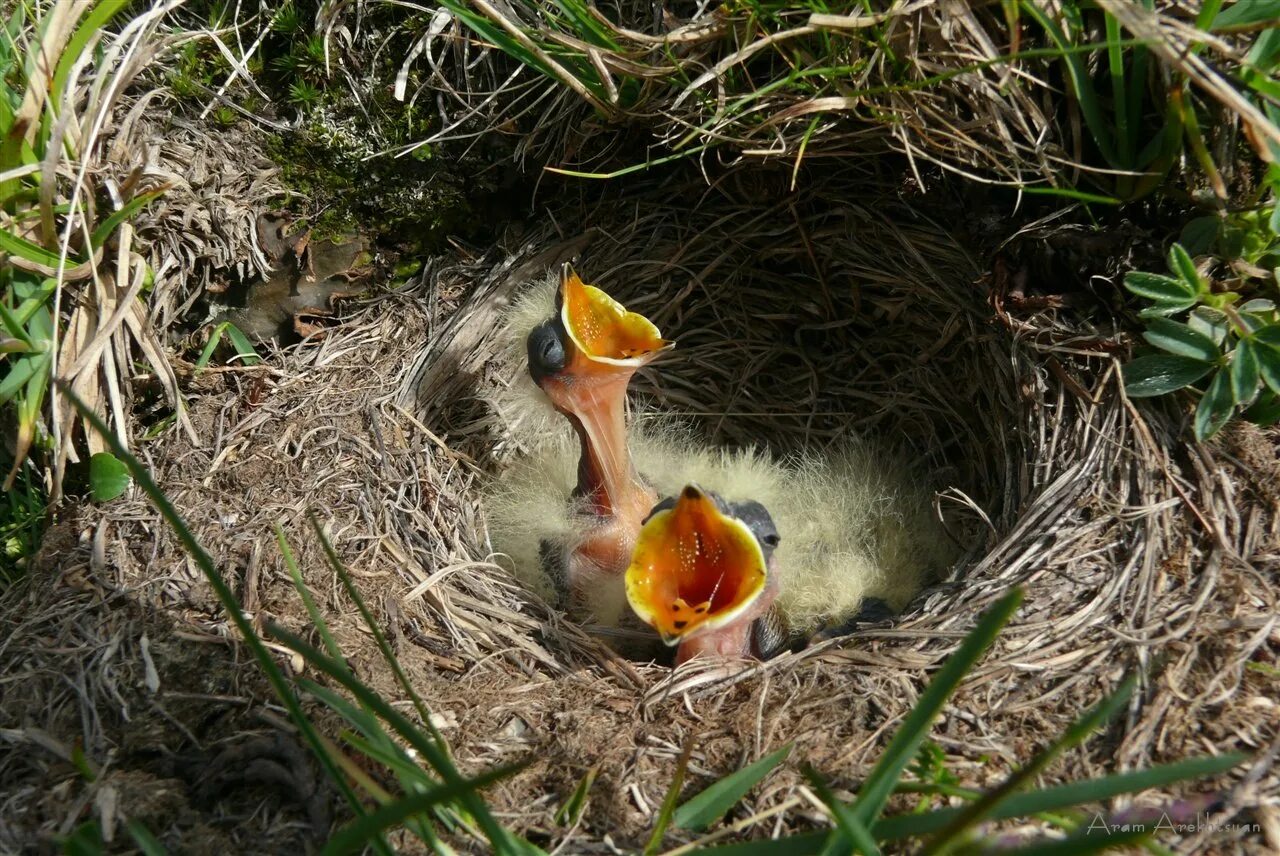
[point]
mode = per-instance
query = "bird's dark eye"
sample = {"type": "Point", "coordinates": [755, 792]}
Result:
{"type": "Point", "coordinates": [546, 350]}
{"type": "Point", "coordinates": [758, 520]}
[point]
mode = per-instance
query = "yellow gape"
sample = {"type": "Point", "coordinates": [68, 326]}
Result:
{"type": "Point", "coordinates": [694, 568]}
{"type": "Point", "coordinates": [602, 328]}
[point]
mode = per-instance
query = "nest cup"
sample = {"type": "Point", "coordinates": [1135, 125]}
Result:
{"type": "Point", "coordinates": [798, 328]}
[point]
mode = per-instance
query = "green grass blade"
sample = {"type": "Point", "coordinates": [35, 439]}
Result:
{"type": "Point", "coordinates": [109, 225]}
{"type": "Point", "coordinates": [232, 607]}
{"type": "Point", "coordinates": [985, 805]}
{"type": "Point", "coordinates": [708, 806]}
{"type": "Point", "coordinates": [571, 812]}
{"type": "Point", "coordinates": [668, 808]}
{"type": "Point", "coordinates": [215, 336]}
{"type": "Point", "coordinates": [1077, 71]}
{"type": "Point", "coordinates": [99, 17]}
{"type": "Point", "coordinates": [14, 326]}
{"type": "Point", "coordinates": [21, 371]}
{"type": "Point", "coordinates": [1125, 136]}
{"type": "Point", "coordinates": [244, 348]}
{"type": "Point", "coordinates": [313, 611]}
{"type": "Point", "coordinates": [849, 830]}
{"type": "Point", "coordinates": [900, 827]}
{"type": "Point", "coordinates": [374, 628]}
{"type": "Point", "coordinates": [22, 248]}
{"type": "Point", "coordinates": [34, 298]}
{"type": "Point", "coordinates": [1064, 796]}
{"type": "Point", "coordinates": [147, 843]}
{"type": "Point", "coordinates": [356, 836]}
{"type": "Point", "coordinates": [915, 728]}
{"type": "Point", "coordinates": [427, 747]}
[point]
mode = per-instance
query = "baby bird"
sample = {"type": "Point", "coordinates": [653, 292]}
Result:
{"type": "Point", "coordinates": [748, 555]}
{"type": "Point", "coordinates": [583, 358]}
{"type": "Point", "coordinates": [702, 576]}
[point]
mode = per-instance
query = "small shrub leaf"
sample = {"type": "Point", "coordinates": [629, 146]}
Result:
{"type": "Point", "coordinates": [1268, 366]}
{"type": "Point", "coordinates": [1181, 339]}
{"type": "Point", "coordinates": [1180, 263]}
{"type": "Point", "coordinates": [1265, 411]}
{"type": "Point", "coordinates": [1160, 310]}
{"type": "Point", "coordinates": [1210, 322]}
{"type": "Point", "coordinates": [1215, 406]}
{"type": "Point", "coordinates": [710, 805]}
{"type": "Point", "coordinates": [1199, 235]}
{"type": "Point", "coordinates": [1158, 287]}
{"type": "Point", "coordinates": [108, 477]}
{"type": "Point", "coordinates": [1269, 335]}
{"type": "Point", "coordinates": [1159, 374]}
{"type": "Point", "coordinates": [1244, 372]}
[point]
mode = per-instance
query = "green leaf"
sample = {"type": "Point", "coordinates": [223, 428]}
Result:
{"type": "Point", "coordinates": [1244, 372]}
{"type": "Point", "coordinates": [1180, 263]}
{"type": "Point", "coordinates": [21, 247]}
{"type": "Point", "coordinates": [986, 805]}
{"type": "Point", "coordinates": [1231, 241]}
{"type": "Point", "coordinates": [1200, 234]}
{"type": "Point", "coordinates": [915, 727]}
{"type": "Point", "coordinates": [849, 830]}
{"type": "Point", "coordinates": [1159, 374]}
{"type": "Point", "coordinates": [108, 477]}
{"type": "Point", "coordinates": [1265, 411]}
{"type": "Point", "coordinates": [244, 348]}
{"type": "Point", "coordinates": [1158, 287]}
{"type": "Point", "coordinates": [97, 19]}
{"type": "Point", "coordinates": [1209, 322]}
{"type": "Point", "coordinates": [1268, 364]}
{"type": "Point", "coordinates": [1161, 310]}
{"type": "Point", "coordinates": [1215, 407]}
{"type": "Point", "coordinates": [109, 225]}
{"type": "Point", "coordinates": [359, 833]}
{"type": "Point", "coordinates": [571, 812]}
{"type": "Point", "coordinates": [1243, 14]}
{"type": "Point", "coordinates": [1055, 798]}
{"type": "Point", "coordinates": [147, 843]}
{"type": "Point", "coordinates": [668, 808]}
{"type": "Point", "coordinates": [1180, 339]}
{"type": "Point", "coordinates": [85, 840]}
{"type": "Point", "coordinates": [710, 805]}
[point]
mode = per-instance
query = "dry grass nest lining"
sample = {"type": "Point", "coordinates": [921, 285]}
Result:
{"type": "Point", "coordinates": [795, 324]}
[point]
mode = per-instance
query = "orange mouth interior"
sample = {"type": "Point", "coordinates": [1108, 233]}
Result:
{"type": "Point", "coordinates": [694, 568]}
{"type": "Point", "coordinates": [602, 328]}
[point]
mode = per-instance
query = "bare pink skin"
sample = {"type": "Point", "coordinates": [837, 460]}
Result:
{"type": "Point", "coordinates": [593, 396]}
{"type": "Point", "coordinates": [732, 640]}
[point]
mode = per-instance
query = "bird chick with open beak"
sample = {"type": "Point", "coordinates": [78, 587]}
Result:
{"type": "Point", "coordinates": [583, 359]}
{"type": "Point", "coordinates": [702, 576]}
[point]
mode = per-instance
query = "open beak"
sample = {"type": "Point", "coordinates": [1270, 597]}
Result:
{"type": "Point", "coordinates": [607, 345]}
{"type": "Point", "coordinates": [606, 336]}
{"type": "Point", "coordinates": [694, 569]}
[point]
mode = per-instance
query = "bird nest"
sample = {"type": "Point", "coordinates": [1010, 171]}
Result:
{"type": "Point", "coordinates": [799, 322]}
